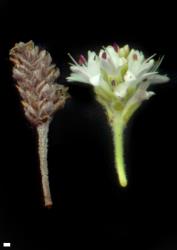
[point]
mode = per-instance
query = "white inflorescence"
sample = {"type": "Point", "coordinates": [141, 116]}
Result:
{"type": "Point", "coordinates": [120, 76]}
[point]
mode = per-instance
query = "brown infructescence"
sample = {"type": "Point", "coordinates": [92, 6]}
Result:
{"type": "Point", "coordinates": [40, 95]}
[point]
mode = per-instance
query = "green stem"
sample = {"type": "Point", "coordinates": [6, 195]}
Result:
{"type": "Point", "coordinates": [118, 127]}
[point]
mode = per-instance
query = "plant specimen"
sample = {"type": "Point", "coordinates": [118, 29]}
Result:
{"type": "Point", "coordinates": [40, 95]}
{"type": "Point", "coordinates": [121, 78]}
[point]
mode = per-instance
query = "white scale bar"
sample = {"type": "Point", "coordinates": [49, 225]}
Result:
{"type": "Point", "coordinates": [6, 244]}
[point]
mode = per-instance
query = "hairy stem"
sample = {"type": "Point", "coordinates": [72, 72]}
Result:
{"type": "Point", "coordinates": [118, 127]}
{"type": "Point", "coordinates": [43, 148]}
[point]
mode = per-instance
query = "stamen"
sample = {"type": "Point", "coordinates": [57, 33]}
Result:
{"type": "Point", "coordinates": [135, 57]}
{"type": "Point", "coordinates": [145, 80]}
{"type": "Point", "coordinates": [116, 47]}
{"type": "Point", "coordinates": [82, 60]}
{"type": "Point", "coordinates": [104, 55]}
{"type": "Point", "coordinates": [113, 82]}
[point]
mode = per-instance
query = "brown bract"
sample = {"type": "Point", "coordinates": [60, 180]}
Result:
{"type": "Point", "coordinates": [36, 75]}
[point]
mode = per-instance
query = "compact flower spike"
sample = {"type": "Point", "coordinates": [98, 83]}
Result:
{"type": "Point", "coordinates": [41, 96]}
{"type": "Point", "coordinates": [120, 78]}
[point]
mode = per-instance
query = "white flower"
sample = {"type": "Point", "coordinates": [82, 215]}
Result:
{"type": "Point", "coordinates": [121, 76]}
{"type": "Point", "coordinates": [87, 71]}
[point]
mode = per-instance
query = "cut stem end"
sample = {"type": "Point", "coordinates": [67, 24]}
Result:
{"type": "Point", "coordinates": [43, 149]}
{"type": "Point", "coordinates": [118, 131]}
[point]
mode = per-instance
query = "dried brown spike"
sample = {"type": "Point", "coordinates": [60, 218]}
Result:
{"type": "Point", "coordinates": [41, 96]}
{"type": "Point", "coordinates": [36, 75]}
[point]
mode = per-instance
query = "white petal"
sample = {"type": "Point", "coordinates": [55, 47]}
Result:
{"type": "Point", "coordinates": [112, 63]}
{"type": "Point", "coordinates": [106, 66]}
{"type": "Point", "coordinates": [132, 62]}
{"type": "Point", "coordinates": [91, 58]}
{"type": "Point", "coordinates": [93, 66]}
{"type": "Point", "coordinates": [74, 77]}
{"type": "Point", "coordinates": [157, 78]}
{"type": "Point", "coordinates": [129, 76]}
{"type": "Point", "coordinates": [95, 80]}
{"type": "Point", "coordinates": [149, 94]}
{"type": "Point", "coordinates": [145, 67]}
{"type": "Point", "coordinates": [139, 96]}
{"type": "Point", "coordinates": [121, 89]}
{"type": "Point", "coordinates": [116, 60]}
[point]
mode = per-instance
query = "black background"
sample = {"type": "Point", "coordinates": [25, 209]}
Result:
{"type": "Point", "coordinates": [90, 209]}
